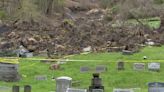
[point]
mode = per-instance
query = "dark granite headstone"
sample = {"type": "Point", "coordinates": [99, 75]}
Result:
{"type": "Point", "coordinates": [27, 88]}
{"type": "Point", "coordinates": [120, 65]}
{"type": "Point", "coordinates": [96, 84]}
{"type": "Point", "coordinates": [156, 87]}
{"type": "Point", "coordinates": [15, 89]}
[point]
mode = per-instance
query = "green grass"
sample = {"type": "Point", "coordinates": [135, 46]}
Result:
{"type": "Point", "coordinates": [111, 79]}
{"type": "Point", "coordinates": [153, 23]}
{"type": "Point", "coordinates": [153, 53]}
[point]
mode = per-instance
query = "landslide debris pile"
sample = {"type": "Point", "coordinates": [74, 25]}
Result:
{"type": "Point", "coordinates": [75, 31]}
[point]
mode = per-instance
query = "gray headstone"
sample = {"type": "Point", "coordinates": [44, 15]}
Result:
{"type": "Point", "coordinates": [123, 90]}
{"type": "Point", "coordinates": [29, 55]}
{"type": "Point", "coordinates": [97, 90]}
{"type": "Point", "coordinates": [120, 65]}
{"type": "Point", "coordinates": [9, 72]}
{"type": "Point", "coordinates": [156, 87]}
{"type": "Point", "coordinates": [101, 68]}
{"type": "Point", "coordinates": [154, 66]}
{"type": "Point", "coordinates": [63, 83]}
{"type": "Point", "coordinates": [84, 69]}
{"type": "Point", "coordinates": [139, 66]}
{"type": "Point", "coordinates": [41, 77]}
{"type": "Point", "coordinates": [76, 90]}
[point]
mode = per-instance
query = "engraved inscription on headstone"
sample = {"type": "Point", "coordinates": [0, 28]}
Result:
{"type": "Point", "coordinates": [41, 77]}
{"type": "Point", "coordinates": [139, 66]}
{"type": "Point", "coordinates": [101, 68]}
{"type": "Point", "coordinates": [75, 90]}
{"type": "Point", "coordinates": [154, 66]}
{"type": "Point", "coordinates": [84, 69]}
{"type": "Point", "coordinates": [156, 87]}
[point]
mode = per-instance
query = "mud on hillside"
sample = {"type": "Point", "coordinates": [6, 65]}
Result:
{"type": "Point", "coordinates": [73, 31]}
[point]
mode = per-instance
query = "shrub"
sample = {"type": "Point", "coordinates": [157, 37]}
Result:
{"type": "Point", "coordinates": [158, 1]}
{"type": "Point", "coordinates": [2, 14]}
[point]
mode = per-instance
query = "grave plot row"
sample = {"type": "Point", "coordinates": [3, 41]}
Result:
{"type": "Point", "coordinates": [121, 66]}
{"type": "Point", "coordinates": [64, 84]}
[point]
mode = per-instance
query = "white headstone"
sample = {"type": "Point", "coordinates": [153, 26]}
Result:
{"type": "Point", "coordinates": [63, 83]}
{"type": "Point", "coordinates": [76, 90]}
{"type": "Point", "coordinates": [123, 90]}
{"type": "Point", "coordinates": [154, 66]}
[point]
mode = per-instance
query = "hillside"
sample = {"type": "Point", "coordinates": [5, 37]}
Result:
{"type": "Point", "coordinates": [112, 78]}
{"type": "Point", "coordinates": [68, 26]}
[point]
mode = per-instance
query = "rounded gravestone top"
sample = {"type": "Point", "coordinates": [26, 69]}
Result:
{"type": "Point", "coordinates": [64, 78]}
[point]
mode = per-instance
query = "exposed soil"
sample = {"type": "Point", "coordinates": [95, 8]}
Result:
{"type": "Point", "coordinates": [79, 27]}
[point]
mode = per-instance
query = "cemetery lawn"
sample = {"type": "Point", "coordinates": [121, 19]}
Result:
{"type": "Point", "coordinates": [113, 78]}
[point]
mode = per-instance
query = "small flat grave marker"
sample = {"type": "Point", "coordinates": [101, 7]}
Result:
{"type": "Point", "coordinates": [76, 90]}
{"type": "Point", "coordinates": [156, 87]}
{"type": "Point", "coordinates": [84, 69]}
{"type": "Point", "coordinates": [154, 66]}
{"type": "Point", "coordinates": [123, 90]}
{"type": "Point", "coordinates": [97, 90]}
{"type": "Point", "coordinates": [127, 52]}
{"type": "Point", "coordinates": [41, 77]}
{"type": "Point", "coordinates": [139, 66]}
{"type": "Point", "coordinates": [101, 68]}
